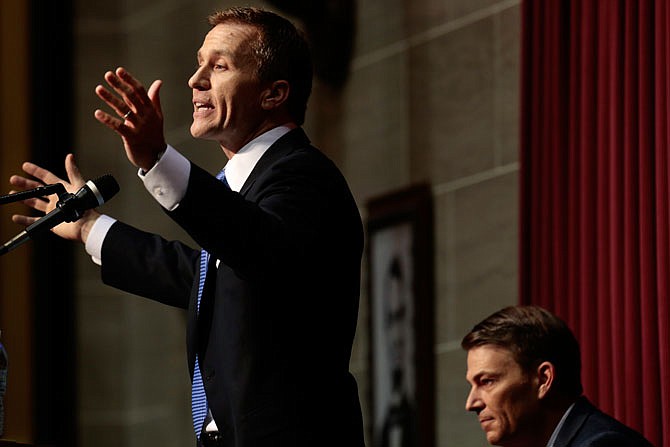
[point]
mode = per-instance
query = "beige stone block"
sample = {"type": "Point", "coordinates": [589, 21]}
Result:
{"type": "Point", "coordinates": [159, 431]}
{"type": "Point", "coordinates": [454, 425]}
{"type": "Point", "coordinates": [101, 351]}
{"type": "Point", "coordinates": [426, 14]}
{"type": "Point", "coordinates": [477, 263]}
{"type": "Point", "coordinates": [95, 145]}
{"type": "Point", "coordinates": [158, 334]}
{"type": "Point", "coordinates": [123, 342]}
{"type": "Point", "coordinates": [375, 128]}
{"type": "Point", "coordinates": [102, 435]}
{"type": "Point", "coordinates": [452, 104]}
{"type": "Point", "coordinates": [507, 84]}
{"type": "Point", "coordinates": [86, 10]}
{"type": "Point", "coordinates": [380, 23]}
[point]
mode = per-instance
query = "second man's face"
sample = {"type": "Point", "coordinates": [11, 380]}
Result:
{"type": "Point", "coordinates": [503, 396]}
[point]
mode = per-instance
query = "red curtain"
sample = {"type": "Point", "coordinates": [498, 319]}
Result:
{"type": "Point", "coordinates": [595, 234]}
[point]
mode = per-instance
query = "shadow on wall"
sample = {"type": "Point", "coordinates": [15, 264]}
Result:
{"type": "Point", "coordinates": [330, 28]}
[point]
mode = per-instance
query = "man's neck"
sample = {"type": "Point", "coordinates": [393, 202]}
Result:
{"type": "Point", "coordinates": [553, 414]}
{"type": "Point", "coordinates": [230, 148]}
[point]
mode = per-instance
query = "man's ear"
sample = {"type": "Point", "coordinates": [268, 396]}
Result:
{"type": "Point", "coordinates": [275, 95]}
{"type": "Point", "coordinates": [545, 374]}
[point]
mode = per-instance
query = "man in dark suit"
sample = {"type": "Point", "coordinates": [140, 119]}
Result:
{"type": "Point", "coordinates": [273, 296]}
{"type": "Point", "coordinates": [524, 369]}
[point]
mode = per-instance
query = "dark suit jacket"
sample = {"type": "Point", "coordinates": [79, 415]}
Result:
{"type": "Point", "coordinates": [277, 319]}
{"type": "Point", "coordinates": [586, 426]}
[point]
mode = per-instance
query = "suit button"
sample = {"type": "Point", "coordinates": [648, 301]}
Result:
{"type": "Point", "coordinates": [209, 375]}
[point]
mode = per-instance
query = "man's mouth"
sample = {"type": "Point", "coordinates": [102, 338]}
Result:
{"type": "Point", "coordinates": [202, 106]}
{"type": "Point", "coordinates": [484, 421]}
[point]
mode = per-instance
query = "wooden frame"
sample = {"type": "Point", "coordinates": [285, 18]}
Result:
{"type": "Point", "coordinates": [400, 278]}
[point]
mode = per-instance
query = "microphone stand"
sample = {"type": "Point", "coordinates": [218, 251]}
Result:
{"type": "Point", "coordinates": [46, 190]}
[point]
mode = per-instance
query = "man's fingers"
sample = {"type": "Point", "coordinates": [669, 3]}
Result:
{"type": "Point", "coordinates": [135, 86]}
{"type": "Point", "coordinates": [73, 173]}
{"type": "Point", "coordinates": [44, 175]}
{"type": "Point", "coordinates": [24, 220]}
{"type": "Point", "coordinates": [154, 97]}
{"type": "Point", "coordinates": [23, 182]}
{"type": "Point", "coordinates": [130, 90]}
{"type": "Point", "coordinates": [118, 85]}
{"type": "Point", "coordinates": [37, 204]}
{"type": "Point", "coordinates": [108, 120]}
{"type": "Point", "coordinates": [112, 101]}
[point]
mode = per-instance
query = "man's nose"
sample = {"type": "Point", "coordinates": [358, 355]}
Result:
{"type": "Point", "coordinates": [473, 401]}
{"type": "Point", "coordinates": [200, 79]}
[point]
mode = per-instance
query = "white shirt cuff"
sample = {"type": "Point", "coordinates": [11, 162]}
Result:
{"type": "Point", "coordinates": [168, 179]}
{"type": "Point", "coordinates": [97, 236]}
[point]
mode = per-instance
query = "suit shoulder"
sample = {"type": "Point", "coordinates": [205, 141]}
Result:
{"type": "Point", "coordinates": [618, 439]}
{"type": "Point", "coordinates": [604, 430]}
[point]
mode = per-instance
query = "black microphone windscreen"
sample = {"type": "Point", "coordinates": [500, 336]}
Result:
{"type": "Point", "coordinates": [107, 185]}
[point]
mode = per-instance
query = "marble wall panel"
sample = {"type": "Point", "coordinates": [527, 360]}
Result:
{"type": "Point", "coordinates": [380, 23]}
{"type": "Point", "coordinates": [455, 426]}
{"type": "Point", "coordinates": [375, 128]}
{"type": "Point", "coordinates": [479, 274]}
{"type": "Point", "coordinates": [427, 14]}
{"type": "Point", "coordinates": [507, 26]}
{"type": "Point", "coordinates": [451, 104]}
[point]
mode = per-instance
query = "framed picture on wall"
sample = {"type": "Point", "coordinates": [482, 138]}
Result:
{"type": "Point", "coordinates": [400, 279]}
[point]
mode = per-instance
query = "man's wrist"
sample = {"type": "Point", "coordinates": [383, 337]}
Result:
{"type": "Point", "coordinates": [96, 231]}
{"type": "Point", "coordinates": [168, 180]}
{"type": "Point", "coordinates": [87, 222]}
{"type": "Point", "coordinates": [156, 160]}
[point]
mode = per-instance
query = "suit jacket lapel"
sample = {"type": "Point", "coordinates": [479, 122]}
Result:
{"type": "Point", "coordinates": [279, 149]}
{"type": "Point", "coordinates": [206, 312]}
{"type": "Point", "coordinates": [574, 422]}
{"type": "Point", "coordinates": [200, 321]}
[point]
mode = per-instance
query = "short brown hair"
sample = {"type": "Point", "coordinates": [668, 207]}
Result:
{"type": "Point", "coordinates": [281, 53]}
{"type": "Point", "coordinates": [533, 335]}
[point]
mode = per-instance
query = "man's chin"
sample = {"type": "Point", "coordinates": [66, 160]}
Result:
{"type": "Point", "coordinates": [493, 437]}
{"type": "Point", "coordinates": [195, 131]}
{"type": "Point", "coordinates": [200, 133]}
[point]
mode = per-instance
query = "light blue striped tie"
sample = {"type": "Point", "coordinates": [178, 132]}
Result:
{"type": "Point", "coordinates": [199, 405]}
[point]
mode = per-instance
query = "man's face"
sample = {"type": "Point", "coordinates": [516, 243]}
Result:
{"type": "Point", "coordinates": [503, 396]}
{"type": "Point", "coordinates": [226, 91]}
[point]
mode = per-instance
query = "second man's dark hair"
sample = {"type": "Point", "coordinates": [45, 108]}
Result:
{"type": "Point", "coordinates": [533, 335]}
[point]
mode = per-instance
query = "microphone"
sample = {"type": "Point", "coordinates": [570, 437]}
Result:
{"type": "Point", "coordinates": [69, 209]}
{"type": "Point", "coordinates": [46, 190]}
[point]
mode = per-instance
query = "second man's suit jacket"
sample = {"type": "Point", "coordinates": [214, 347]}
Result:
{"type": "Point", "coordinates": [586, 426]}
{"type": "Point", "coordinates": [277, 319]}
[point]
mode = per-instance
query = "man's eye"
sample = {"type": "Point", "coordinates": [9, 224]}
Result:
{"type": "Point", "coordinates": [219, 67]}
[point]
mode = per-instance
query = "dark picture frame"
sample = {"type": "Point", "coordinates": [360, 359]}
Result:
{"type": "Point", "coordinates": [401, 293]}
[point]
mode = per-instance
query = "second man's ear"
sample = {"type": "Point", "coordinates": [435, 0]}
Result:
{"type": "Point", "coordinates": [275, 95]}
{"type": "Point", "coordinates": [545, 375]}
